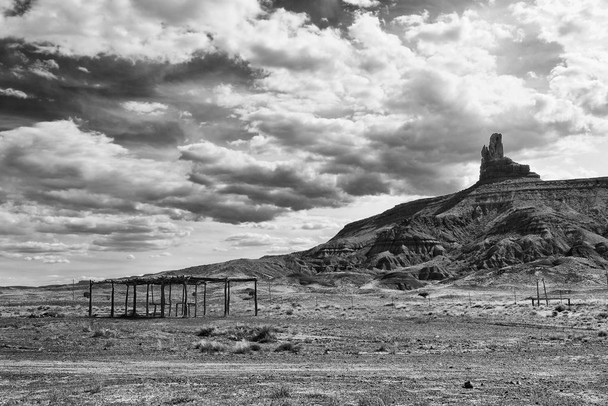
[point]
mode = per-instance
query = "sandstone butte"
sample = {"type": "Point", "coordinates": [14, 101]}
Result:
{"type": "Point", "coordinates": [509, 223]}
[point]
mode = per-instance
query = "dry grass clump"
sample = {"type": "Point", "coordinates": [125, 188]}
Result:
{"type": "Point", "coordinates": [289, 347]}
{"type": "Point", "coordinates": [280, 393]}
{"type": "Point", "coordinates": [104, 333]}
{"type": "Point", "coordinates": [205, 331]}
{"type": "Point", "coordinates": [211, 346]}
{"type": "Point", "coordinates": [264, 334]}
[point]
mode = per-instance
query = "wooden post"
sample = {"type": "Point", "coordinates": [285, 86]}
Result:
{"type": "Point", "coordinates": [537, 294]}
{"type": "Point", "coordinates": [225, 297]}
{"type": "Point", "coordinates": [90, 298]}
{"type": "Point", "coordinates": [185, 301]}
{"type": "Point", "coordinates": [147, 299]}
{"type": "Point", "coordinates": [127, 301]}
{"type": "Point", "coordinates": [112, 305]}
{"type": "Point", "coordinates": [228, 302]}
{"type": "Point", "coordinates": [196, 299]}
{"type": "Point", "coordinates": [134, 299]}
{"type": "Point", "coordinates": [162, 300]}
{"type": "Point", "coordinates": [515, 295]}
{"type": "Point", "coordinates": [205, 299]}
{"type": "Point", "coordinates": [545, 289]}
{"type": "Point", "coordinates": [255, 296]}
{"type": "Point", "coordinates": [170, 302]}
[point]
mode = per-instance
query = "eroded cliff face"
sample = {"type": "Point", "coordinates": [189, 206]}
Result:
{"type": "Point", "coordinates": [489, 226]}
{"type": "Point", "coordinates": [509, 218]}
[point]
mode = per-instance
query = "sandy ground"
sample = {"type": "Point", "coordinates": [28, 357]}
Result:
{"type": "Point", "coordinates": [339, 348]}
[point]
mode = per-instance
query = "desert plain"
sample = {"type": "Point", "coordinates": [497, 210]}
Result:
{"type": "Point", "coordinates": [310, 345]}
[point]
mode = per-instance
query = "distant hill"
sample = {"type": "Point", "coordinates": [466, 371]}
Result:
{"type": "Point", "coordinates": [510, 227]}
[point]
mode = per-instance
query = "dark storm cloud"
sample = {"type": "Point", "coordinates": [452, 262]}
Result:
{"type": "Point", "coordinates": [363, 184]}
{"type": "Point", "coordinates": [93, 89]}
{"type": "Point", "coordinates": [281, 185]}
{"type": "Point", "coordinates": [19, 8]}
{"type": "Point", "coordinates": [227, 209]}
{"type": "Point", "coordinates": [130, 242]}
{"type": "Point", "coordinates": [287, 197]}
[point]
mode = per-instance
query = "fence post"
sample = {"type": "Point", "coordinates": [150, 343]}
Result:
{"type": "Point", "coordinates": [255, 296]}
{"type": "Point", "coordinates": [112, 305]}
{"type": "Point", "coordinates": [127, 300]}
{"type": "Point", "coordinates": [90, 298]}
{"type": "Point", "coordinates": [162, 300]}
{"type": "Point", "coordinates": [134, 299]}
{"type": "Point", "coordinates": [147, 299]}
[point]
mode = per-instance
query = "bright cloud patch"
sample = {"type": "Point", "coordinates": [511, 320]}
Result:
{"type": "Point", "coordinates": [363, 3]}
{"type": "Point", "coordinates": [13, 93]}
{"type": "Point", "coordinates": [145, 108]}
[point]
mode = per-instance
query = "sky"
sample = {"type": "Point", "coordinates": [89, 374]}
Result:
{"type": "Point", "coordinates": [138, 136]}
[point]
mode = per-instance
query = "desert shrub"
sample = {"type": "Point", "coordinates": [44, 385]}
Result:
{"type": "Point", "coordinates": [264, 334]}
{"type": "Point", "coordinates": [382, 348]}
{"type": "Point", "coordinates": [280, 393]}
{"type": "Point", "coordinates": [205, 331]}
{"type": "Point", "coordinates": [290, 347]}
{"type": "Point", "coordinates": [179, 400]}
{"type": "Point", "coordinates": [104, 333]}
{"type": "Point", "coordinates": [560, 308]}
{"type": "Point", "coordinates": [289, 312]}
{"type": "Point", "coordinates": [602, 333]}
{"type": "Point", "coordinates": [242, 347]}
{"type": "Point", "coordinates": [211, 347]}
{"type": "Point", "coordinates": [602, 315]}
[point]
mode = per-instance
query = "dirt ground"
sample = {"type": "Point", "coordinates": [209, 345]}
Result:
{"type": "Point", "coordinates": [308, 347]}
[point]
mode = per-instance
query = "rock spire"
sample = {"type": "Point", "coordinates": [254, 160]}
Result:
{"type": "Point", "coordinates": [495, 166]}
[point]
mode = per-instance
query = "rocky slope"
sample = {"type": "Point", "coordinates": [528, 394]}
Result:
{"type": "Point", "coordinates": [509, 220]}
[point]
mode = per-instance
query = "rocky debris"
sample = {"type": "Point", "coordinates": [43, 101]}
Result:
{"type": "Point", "coordinates": [495, 166]}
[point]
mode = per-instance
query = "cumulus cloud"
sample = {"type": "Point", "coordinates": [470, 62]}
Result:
{"type": "Point", "coordinates": [145, 108]}
{"type": "Point", "coordinates": [161, 32]}
{"type": "Point", "coordinates": [13, 93]}
{"type": "Point", "coordinates": [363, 3]}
